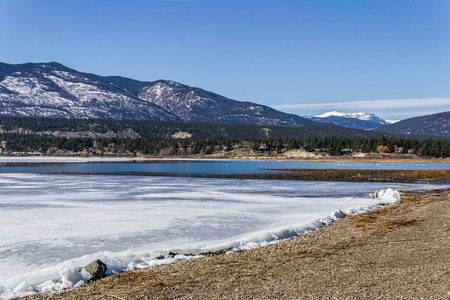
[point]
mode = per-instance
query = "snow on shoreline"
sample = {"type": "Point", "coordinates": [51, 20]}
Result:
{"type": "Point", "coordinates": [63, 159]}
{"type": "Point", "coordinates": [262, 239]}
{"type": "Point", "coordinates": [66, 274]}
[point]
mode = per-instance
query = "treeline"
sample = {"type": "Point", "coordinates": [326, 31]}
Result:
{"type": "Point", "coordinates": [334, 146]}
{"type": "Point", "coordinates": [164, 130]}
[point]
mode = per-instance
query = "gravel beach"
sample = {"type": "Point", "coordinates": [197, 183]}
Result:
{"type": "Point", "coordinates": [401, 251]}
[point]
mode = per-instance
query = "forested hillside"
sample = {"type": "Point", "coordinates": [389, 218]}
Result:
{"type": "Point", "coordinates": [23, 145]}
{"type": "Point", "coordinates": [436, 124]}
{"type": "Point", "coordinates": [44, 136]}
{"type": "Point", "coordinates": [165, 130]}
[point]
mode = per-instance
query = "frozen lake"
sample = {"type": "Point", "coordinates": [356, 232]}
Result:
{"type": "Point", "coordinates": [50, 225]}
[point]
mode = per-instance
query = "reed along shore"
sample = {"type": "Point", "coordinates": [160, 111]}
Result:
{"type": "Point", "coordinates": [349, 175]}
{"type": "Point", "coordinates": [400, 251]}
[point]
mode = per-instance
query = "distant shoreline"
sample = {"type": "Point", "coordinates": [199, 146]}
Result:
{"type": "Point", "coordinates": [337, 159]}
{"type": "Point", "coordinates": [347, 174]}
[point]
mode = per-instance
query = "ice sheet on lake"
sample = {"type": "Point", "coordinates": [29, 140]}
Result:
{"type": "Point", "coordinates": [51, 225]}
{"type": "Point", "coordinates": [67, 159]}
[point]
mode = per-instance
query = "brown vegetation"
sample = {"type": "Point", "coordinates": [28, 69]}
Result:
{"type": "Point", "coordinates": [352, 175]}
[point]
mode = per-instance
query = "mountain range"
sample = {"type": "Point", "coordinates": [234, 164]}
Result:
{"type": "Point", "coordinates": [56, 91]}
{"type": "Point", "coordinates": [53, 90]}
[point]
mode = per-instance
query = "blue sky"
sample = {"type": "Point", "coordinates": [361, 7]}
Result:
{"type": "Point", "coordinates": [307, 57]}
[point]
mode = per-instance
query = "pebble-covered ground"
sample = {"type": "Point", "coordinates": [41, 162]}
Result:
{"type": "Point", "coordinates": [401, 251]}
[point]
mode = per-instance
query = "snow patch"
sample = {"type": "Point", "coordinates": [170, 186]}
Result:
{"type": "Point", "coordinates": [358, 116]}
{"type": "Point", "coordinates": [392, 121]}
{"type": "Point", "coordinates": [331, 113]}
{"type": "Point", "coordinates": [387, 196]}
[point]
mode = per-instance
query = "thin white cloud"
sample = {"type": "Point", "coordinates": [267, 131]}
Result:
{"type": "Point", "coordinates": [417, 113]}
{"type": "Point", "coordinates": [374, 104]}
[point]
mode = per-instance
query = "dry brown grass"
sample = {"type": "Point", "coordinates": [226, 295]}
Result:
{"type": "Point", "coordinates": [353, 175]}
{"type": "Point", "coordinates": [390, 216]}
{"type": "Point", "coordinates": [369, 223]}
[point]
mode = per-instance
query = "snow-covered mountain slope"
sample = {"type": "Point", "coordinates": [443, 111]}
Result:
{"type": "Point", "coordinates": [197, 105]}
{"type": "Point", "coordinates": [353, 120]}
{"type": "Point", "coordinates": [53, 90]}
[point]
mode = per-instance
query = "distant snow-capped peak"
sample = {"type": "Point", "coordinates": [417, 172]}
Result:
{"type": "Point", "coordinates": [331, 113]}
{"type": "Point", "coordinates": [359, 116]}
{"type": "Point", "coordinates": [392, 121]}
